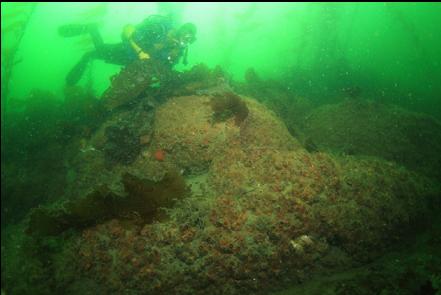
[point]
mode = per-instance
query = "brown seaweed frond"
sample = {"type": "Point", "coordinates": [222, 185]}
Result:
{"type": "Point", "coordinates": [227, 105]}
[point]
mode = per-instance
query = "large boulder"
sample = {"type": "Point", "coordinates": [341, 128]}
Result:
{"type": "Point", "coordinates": [359, 127]}
{"type": "Point", "coordinates": [186, 130]}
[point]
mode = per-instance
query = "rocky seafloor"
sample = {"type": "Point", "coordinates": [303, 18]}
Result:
{"type": "Point", "coordinates": [197, 188]}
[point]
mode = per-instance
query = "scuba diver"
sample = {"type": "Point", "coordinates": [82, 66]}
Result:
{"type": "Point", "coordinates": [154, 38]}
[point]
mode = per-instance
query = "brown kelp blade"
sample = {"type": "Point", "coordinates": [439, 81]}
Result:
{"type": "Point", "coordinates": [145, 197]}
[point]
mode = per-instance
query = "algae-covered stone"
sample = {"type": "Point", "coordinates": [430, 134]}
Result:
{"type": "Point", "coordinates": [358, 127]}
{"type": "Point", "coordinates": [185, 130]}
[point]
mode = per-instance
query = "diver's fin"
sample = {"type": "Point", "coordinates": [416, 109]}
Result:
{"type": "Point", "coordinates": [77, 71]}
{"type": "Point", "coordinates": [73, 30]}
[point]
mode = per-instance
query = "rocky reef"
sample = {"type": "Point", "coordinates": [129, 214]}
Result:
{"type": "Point", "coordinates": [358, 127]}
{"type": "Point", "coordinates": [260, 210]}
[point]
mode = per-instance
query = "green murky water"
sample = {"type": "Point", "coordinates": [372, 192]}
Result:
{"type": "Point", "coordinates": [221, 148]}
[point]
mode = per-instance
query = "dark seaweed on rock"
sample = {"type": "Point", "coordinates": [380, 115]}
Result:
{"type": "Point", "coordinates": [144, 198]}
{"type": "Point", "coordinates": [130, 83]}
{"type": "Point", "coordinates": [227, 105]}
{"type": "Point", "coordinates": [122, 145]}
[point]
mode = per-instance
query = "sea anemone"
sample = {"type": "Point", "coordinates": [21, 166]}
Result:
{"type": "Point", "coordinates": [160, 155]}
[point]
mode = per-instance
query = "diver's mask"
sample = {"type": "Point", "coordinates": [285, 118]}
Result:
{"type": "Point", "coordinates": [186, 39]}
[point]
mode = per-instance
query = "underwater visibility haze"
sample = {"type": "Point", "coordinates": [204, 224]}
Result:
{"type": "Point", "coordinates": [220, 148]}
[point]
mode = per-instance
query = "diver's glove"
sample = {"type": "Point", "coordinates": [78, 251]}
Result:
{"type": "Point", "coordinates": [143, 55]}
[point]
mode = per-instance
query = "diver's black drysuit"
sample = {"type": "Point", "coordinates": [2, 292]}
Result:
{"type": "Point", "coordinates": [151, 31]}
